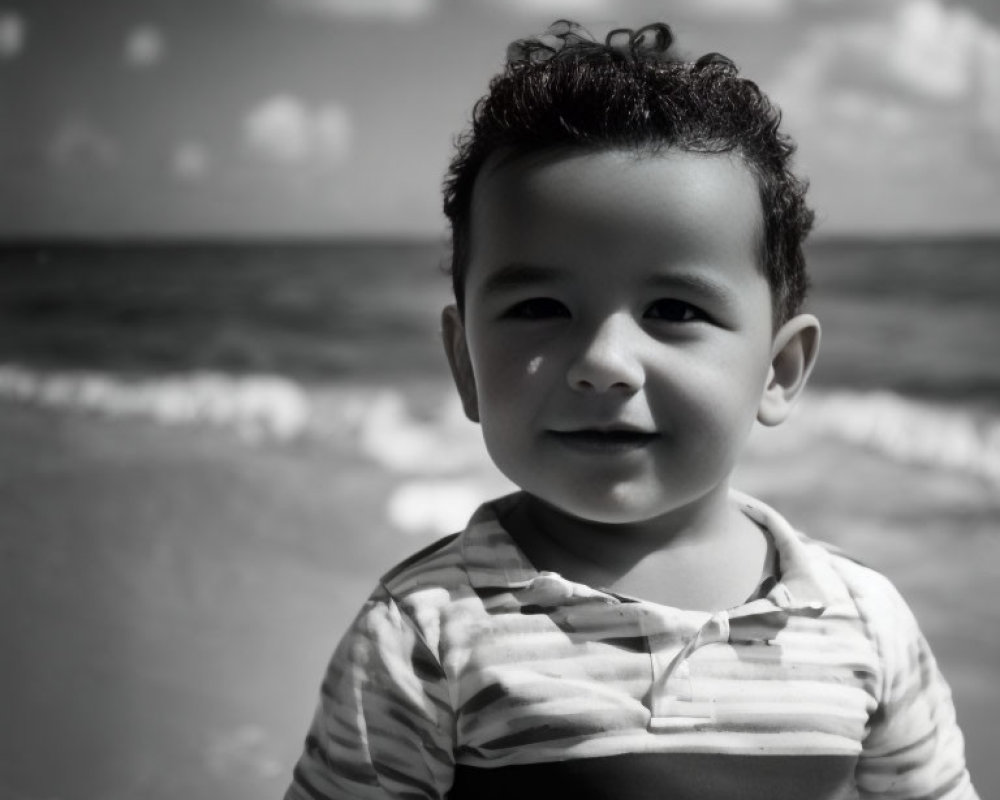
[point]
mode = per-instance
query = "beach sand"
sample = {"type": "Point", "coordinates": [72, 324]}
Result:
{"type": "Point", "coordinates": [171, 594]}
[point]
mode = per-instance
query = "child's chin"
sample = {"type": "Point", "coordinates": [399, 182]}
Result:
{"type": "Point", "coordinates": [609, 510]}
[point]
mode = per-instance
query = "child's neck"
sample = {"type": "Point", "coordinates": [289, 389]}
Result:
{"type": "Point", "coordinates": [709, 556]}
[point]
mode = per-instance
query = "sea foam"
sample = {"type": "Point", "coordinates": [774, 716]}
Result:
{"type": "Point", "coordinates": [380, 423]}
{"type": "Point", "coordinates": [909, 431]}
{"type": "Point", "coordinates": [256, 406]}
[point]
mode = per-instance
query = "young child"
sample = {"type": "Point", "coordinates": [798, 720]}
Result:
{"type": "Point", "coordinates": [628, 279]}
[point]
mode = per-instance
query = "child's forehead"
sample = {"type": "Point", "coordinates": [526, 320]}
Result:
{"type": "Point", "coordinates": [618, 160]}
{"type": "Point", "coordinates": [615, 200]}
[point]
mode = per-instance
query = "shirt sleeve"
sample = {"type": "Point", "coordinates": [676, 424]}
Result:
{"type": "Point", "coordinates": [384, 725]}
{"type": "Point", "coordinates": [914, 748]}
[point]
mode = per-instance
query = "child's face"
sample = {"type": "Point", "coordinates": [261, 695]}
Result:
{"type": "Point", "coordinates": [618, 334]}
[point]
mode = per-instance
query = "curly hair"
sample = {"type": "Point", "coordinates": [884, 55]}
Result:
{"type": "Point", "coordinates": [564, 88]}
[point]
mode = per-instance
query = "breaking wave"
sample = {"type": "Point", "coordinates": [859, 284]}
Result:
{"type": "Point", "coordinates": [384, 425]}
{"type": "Point", "coordinates": [256, 406]}
{"type": "Point", "coordinates": [909, 431]}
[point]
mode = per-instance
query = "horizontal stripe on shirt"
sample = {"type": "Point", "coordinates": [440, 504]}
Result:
{"type": "Point", "coordinates": [646, 776]}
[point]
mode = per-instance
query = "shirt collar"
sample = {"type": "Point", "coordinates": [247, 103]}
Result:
{"type": "Point", "coordinates": [496, 564]}
{"type": "Point", "coordinates": [492, 559]}
{"type": "Point", "coordinates": [806, 578]}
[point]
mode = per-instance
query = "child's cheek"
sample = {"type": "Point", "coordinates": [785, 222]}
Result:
{"type": "Point", "coordinates": [514, 365]}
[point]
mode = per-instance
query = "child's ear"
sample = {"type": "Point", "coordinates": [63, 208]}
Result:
{"type": "Point", "coordinates": [457, 351]}
{"type": "Point", "coordinates": [792, 357]}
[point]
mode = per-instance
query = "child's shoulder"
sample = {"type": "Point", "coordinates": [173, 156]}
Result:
{"type": "Point", "coordinates": [438, 563]}
{"type": "Point", "coordinates": [855, 572]}
{"type": "Point", "coordinates": [874, 594]}
{"type": "Point", "coordinates": [454, 563]}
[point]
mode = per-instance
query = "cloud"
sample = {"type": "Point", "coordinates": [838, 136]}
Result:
{"type": "Point", "coordinates": [80, 142]}
{"type": "Point", "coordinates": [189, 161]}
{"type": "Point", "coordinates": [925, 48]}
{"type": "Point", "coordinates": [894, 111]}
{"type": "Point", "coordinates": [555, 8]}
{"type": "Point", "coordinates": [144, 46]}
{"type": "Point", "coordinates": [989, 89]}
{"type": "Point", "coordinates": [11, 35]}
{"type": "Point", "coordinates": [363, 9]}
{"type": "Point", "coordinates": [646, 9]}
{"type": "Point", "coordinates": [739, 8]}
{"type": "Point", "coordinates": [933, 48]}
{"type": "Point", "coordinates": [284, 130]}
{"type": "Point", "coordinates": [897, 88]}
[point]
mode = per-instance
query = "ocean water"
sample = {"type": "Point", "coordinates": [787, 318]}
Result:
{"type": "Point", "coordinates": [307, 311]}
{"type": "Point", "coordinates": [328, 339]}
{"type": "Point", "coordinates": [918, 317]}
{"type": "Point", "coordinates": [196, 580]}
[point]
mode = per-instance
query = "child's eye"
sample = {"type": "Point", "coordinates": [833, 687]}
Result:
{"type": "Point", "coordinates": [537, 308]}
{"type": "Point", "coordinates": [670, 310]}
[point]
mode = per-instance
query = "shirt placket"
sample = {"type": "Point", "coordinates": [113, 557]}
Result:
{"type": "Point", "coordinates": [674, 699]}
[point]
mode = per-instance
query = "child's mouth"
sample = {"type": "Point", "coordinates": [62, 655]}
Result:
{"type": "Point", "coordinates": [605, 441]}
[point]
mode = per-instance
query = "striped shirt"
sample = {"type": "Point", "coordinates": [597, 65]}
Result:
{"type": "Point", "coordinates": [470, 674]}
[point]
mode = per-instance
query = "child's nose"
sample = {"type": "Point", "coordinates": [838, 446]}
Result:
{"type": "Point", "coordinates": [608, 360]}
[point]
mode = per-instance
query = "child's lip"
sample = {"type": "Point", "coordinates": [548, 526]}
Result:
{"type": "Point", "coordinates": [617, 439]}
{"type": "Point", "coordinates": [614, 429]}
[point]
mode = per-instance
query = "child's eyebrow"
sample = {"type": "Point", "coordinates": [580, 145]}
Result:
{"type": "Point", "coordinates": [512, 276]}
{"type": "Point", "coordinates": [694, 282]}
{"type": "Point", "coordinates": [517, 275]}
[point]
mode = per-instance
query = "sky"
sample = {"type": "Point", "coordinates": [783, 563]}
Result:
{"type": "Point", "coordinates": [285, 118]}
